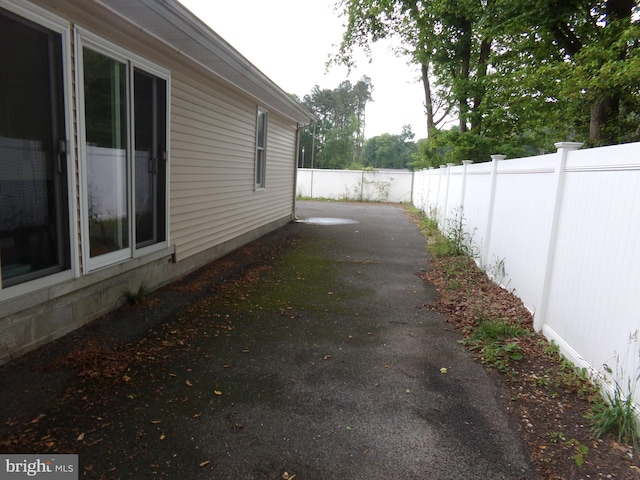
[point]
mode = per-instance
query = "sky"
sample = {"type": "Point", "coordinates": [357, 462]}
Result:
{"type": "Point", "coordinates": [290, 41]}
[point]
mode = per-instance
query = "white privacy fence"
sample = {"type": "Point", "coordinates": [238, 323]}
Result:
{"type": "Point", "coordinates": [565, 231]}
{"type": "Point", "coordinates": [361, 185]}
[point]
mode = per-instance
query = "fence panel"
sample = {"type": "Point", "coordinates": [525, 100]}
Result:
{"type": "Point", "coordinates": [373, 186]}
{"type": "Point", "coordinates": [593, 300]}
{"type": "Point", "coordinates": [475, 210]}
{"type": "Point", "coordinates": [563, 228]}
{"type": "Point", "coordinates": [521, 226]}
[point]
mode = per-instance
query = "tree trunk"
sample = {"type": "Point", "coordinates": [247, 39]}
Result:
{"type": "Point", "coordinates": [483, 60]}
{"type": "Point", "coordinates": [602, 115]}
{"type": "Point", "coordinates": [605, 113]}
{"type": "Point", "coordinates": [428, 102]}
{"type": "Point", "coordinates": [465, 70]}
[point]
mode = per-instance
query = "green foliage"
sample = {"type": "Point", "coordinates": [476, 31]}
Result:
{"type": "Point", "coordinates": [576, 73]}
{"type": "Point", "coordinates": [567, 376]}
{"type": "Point", "coordinates": [526, 76]}
{"type": "Point", "coordinates": [580, 450]}
{"type": "Point", "coordinates": [556, 437]}
{"type": "Point", "coordinates": [497, 342]}
{"type": "Point", "coordinates": [451, 146]}
{"type": "Point", "coordinates": [429, 226]}
{"type": "Point", "coordinates": [390, 151]}
{"type": "Point", "coordinates": [618, 413]}
{"type": "Point", "coordinates": [135, 297]}
{"type": "Point", "coordinates": [336, 141]}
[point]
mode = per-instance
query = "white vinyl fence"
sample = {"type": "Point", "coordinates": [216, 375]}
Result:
{"type": "Point", "coordinates": [361, 185]}
{"type": "Point", "coordinates": [564, 230]}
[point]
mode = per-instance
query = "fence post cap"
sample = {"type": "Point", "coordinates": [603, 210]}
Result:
{"type": "Point", "coordinates": [467, 162]}
{"type": "Point", "coordinates": [568, 145]}
{"type": "Point", "coordinates": [498, 157]}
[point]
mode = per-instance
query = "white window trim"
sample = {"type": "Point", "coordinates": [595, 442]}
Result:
{"type": "Point", "coordinates": [84, 38]}
{"type": "Point", "coordinates": [263, 184]}
{"type": "Point", "coordinates": [63, 28]}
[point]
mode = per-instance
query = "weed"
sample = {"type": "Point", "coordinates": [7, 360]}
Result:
{"type": "Point", "coordinates": [551, 349]}
{"type": "Point", "coordinates": [567, 376]}
{"type": "Point", "coordinates": [429, 226]}
{"type": "Point", "coordinates": [617, 413]}
{"type": "Point", "coordinates": [580, 451]}
{"type": "Point", "coordinates": [497, 342]}
{"type": "Point", "coordinates": [557, 437]}
{"type": "Point", "coordinates": [491, 330]}
{"type": "Point", "coordinates": [458, 241]}
{"type": "Point", "coordinates": [135, 297]}
{"type": "Point", "coordinates": [497, 272]}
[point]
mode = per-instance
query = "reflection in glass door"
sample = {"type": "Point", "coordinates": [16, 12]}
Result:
{"type": "Point", "coordinates": [150, 157]}
{"type": "Point", "coordinates": [105, 94]}
{"type": "Point", "coordinates": [34, 228]}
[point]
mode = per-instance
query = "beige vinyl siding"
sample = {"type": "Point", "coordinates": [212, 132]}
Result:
{"type": "Point", "coordinates": [213, 196]}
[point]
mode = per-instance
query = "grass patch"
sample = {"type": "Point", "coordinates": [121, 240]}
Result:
{"type": "Point", "coordinates": [616, 415]}
{"type": "Point", "coordinates": [497, 342]}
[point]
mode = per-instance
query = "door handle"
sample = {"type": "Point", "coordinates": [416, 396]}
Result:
{"type": "Point", "coordinates": [153, 165]}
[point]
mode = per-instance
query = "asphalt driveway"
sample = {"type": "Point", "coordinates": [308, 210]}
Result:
{"type": "Point", "coordinates": [314, 357]}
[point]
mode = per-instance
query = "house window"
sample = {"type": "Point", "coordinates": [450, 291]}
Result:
{"type": "Point", "coordinates": [125, 159]}
{"type": "Point", "coordinates": [261, 148]}
{"type": "Point", "coordinates": [34, 209]}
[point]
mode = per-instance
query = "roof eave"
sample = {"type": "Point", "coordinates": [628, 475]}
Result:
{"type": "Point", "coordinates": [174, 25]}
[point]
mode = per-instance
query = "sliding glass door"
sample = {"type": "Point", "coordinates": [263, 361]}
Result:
{"type": "Point", "coordinates": [125, 150]}
{"type": "Point", "coordinates": [150, 157]}
{"type": "Point", "coordinates": [34, 224]}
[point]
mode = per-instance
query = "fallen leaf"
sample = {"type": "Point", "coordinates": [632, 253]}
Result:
{"type": "Point", "coordinates": [80, 437]}
{"type": "Point", "coordinates": [38, 418]}
{"type": "Point", "coordinates": [217, 392]}
{"type": "Point", "coordinates": [205, 463]}
{"type": "Point", "coordinates": [189, 384]}
{"type": "Point", "coordinates": [443, 370]}
{"type": "Point", "coordinates": [163, 436]}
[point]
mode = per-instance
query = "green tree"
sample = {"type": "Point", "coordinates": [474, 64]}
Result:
{"type": "Point", "coordinates": [453, 146]}
{"type": "Point", "coordinates": [337, 139]}
{"type": "Point", "coordinates": [576, 70]}
{"type": "Point", "coordinates": [390, 151]}
{"type": "Point", "coordinates": [511, 68]}
{"type": "Point", "coordinates": [444, 37]}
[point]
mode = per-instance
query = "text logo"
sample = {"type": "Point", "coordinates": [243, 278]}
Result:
{"type": "Point", "coordinates": [50, 467]}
